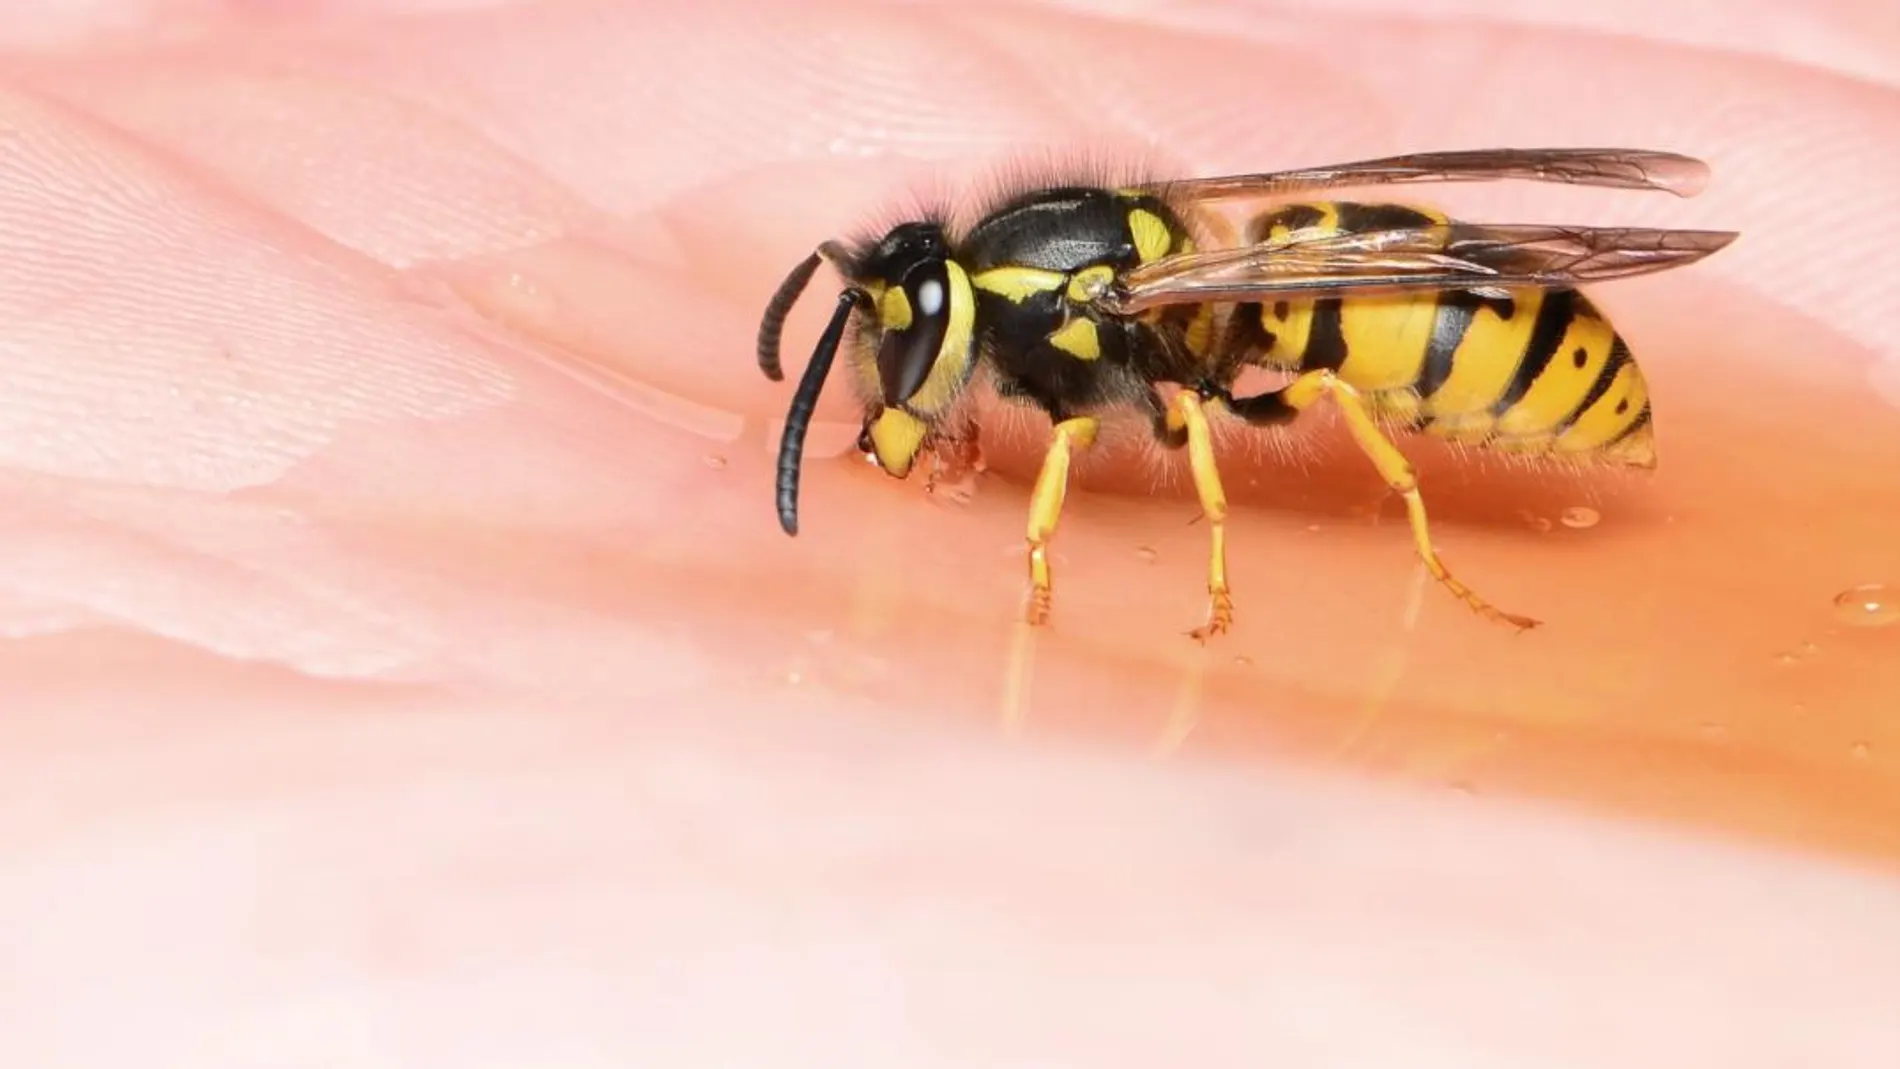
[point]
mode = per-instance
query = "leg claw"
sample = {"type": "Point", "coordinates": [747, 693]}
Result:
{"type": "Point", "coordinates": [1038, 612]}
{"type": "Point", "coordinates": [1220, 617]}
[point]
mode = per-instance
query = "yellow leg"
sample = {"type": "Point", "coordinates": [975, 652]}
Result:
{"type": "Point", "coordinates": [1302, 392]}
{"type": "Point", "coordinates": [1045, 508]}
{"type": "Point", "coordinates": [1184, 412]}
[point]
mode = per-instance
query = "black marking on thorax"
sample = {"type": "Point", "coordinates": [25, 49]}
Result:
{"type": "Point", "coordinates": [1064, 230]}
{"type": "Point", "coordinates": [1054, 230]}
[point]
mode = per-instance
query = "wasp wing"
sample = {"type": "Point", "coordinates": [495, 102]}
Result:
{"type": "Point", "coordinates": [1617, 168]}
{"type": "Point", "coordinates": [1454, 256]}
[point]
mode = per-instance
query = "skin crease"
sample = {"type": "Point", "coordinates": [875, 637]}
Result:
{"type": "Point", "coordinates": [403, 665]}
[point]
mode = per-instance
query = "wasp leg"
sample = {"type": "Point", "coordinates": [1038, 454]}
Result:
{"type": "Point", "coordinates": [1299, 395]}
{"type": "Point", "coordinates": [1045, 507]}
{"type": "Point", "coordinates": [1185, 414]}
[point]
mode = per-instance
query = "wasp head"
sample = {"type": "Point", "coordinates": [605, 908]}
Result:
{"type": "Point", "coordinates": [917, 341]}
{"type": "Point", "coordinates": [916, 338]}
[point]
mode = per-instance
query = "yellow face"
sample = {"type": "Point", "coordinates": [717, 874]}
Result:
{"type": "Point", "coordinates": [895, 438]}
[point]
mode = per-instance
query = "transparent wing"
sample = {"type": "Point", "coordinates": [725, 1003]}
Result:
{"type": "Point", "coordinates": [1616, 168]}
{"type": "Point", "coordinates": [1453, 256]}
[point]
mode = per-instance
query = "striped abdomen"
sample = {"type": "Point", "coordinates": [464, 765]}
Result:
{"type": "Point", "coordinates": [1535, 372]}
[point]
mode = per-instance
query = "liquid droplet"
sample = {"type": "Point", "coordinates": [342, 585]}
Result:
{"type": "Point", "coordinates": [1873, 605]}
{"type": "Point", "coordinates": [1243, 661]}
{"type": "Point", "coordinates": [715, 461]}
{"type": "Point", "coordinates": [1862, 751]}
{"type": "Point", "coordinates": [1146, 554]}
{"type": "Point", "coordinates": [1805, 651]}
{"type": "Point", "coordinates": [1580, 517]}
{"type": "Point", "coordinates": [1534, 522]}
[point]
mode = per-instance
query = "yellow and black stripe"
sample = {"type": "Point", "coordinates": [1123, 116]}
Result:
{"type": "Point", "coordinates": [1531, 372]}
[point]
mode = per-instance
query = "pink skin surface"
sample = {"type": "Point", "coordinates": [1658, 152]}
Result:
{"type": "Point", "coordinates": [402, 665]}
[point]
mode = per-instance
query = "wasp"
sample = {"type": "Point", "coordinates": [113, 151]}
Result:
{"type": "Point", "coordinates": [1088, 301]}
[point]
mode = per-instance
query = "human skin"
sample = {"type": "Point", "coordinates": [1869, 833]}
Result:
{"type": "Point", "coordinates": [404, 665]}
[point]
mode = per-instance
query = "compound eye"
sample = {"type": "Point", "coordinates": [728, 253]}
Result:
{"type": "Point", "coordinates": [913, 337]}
